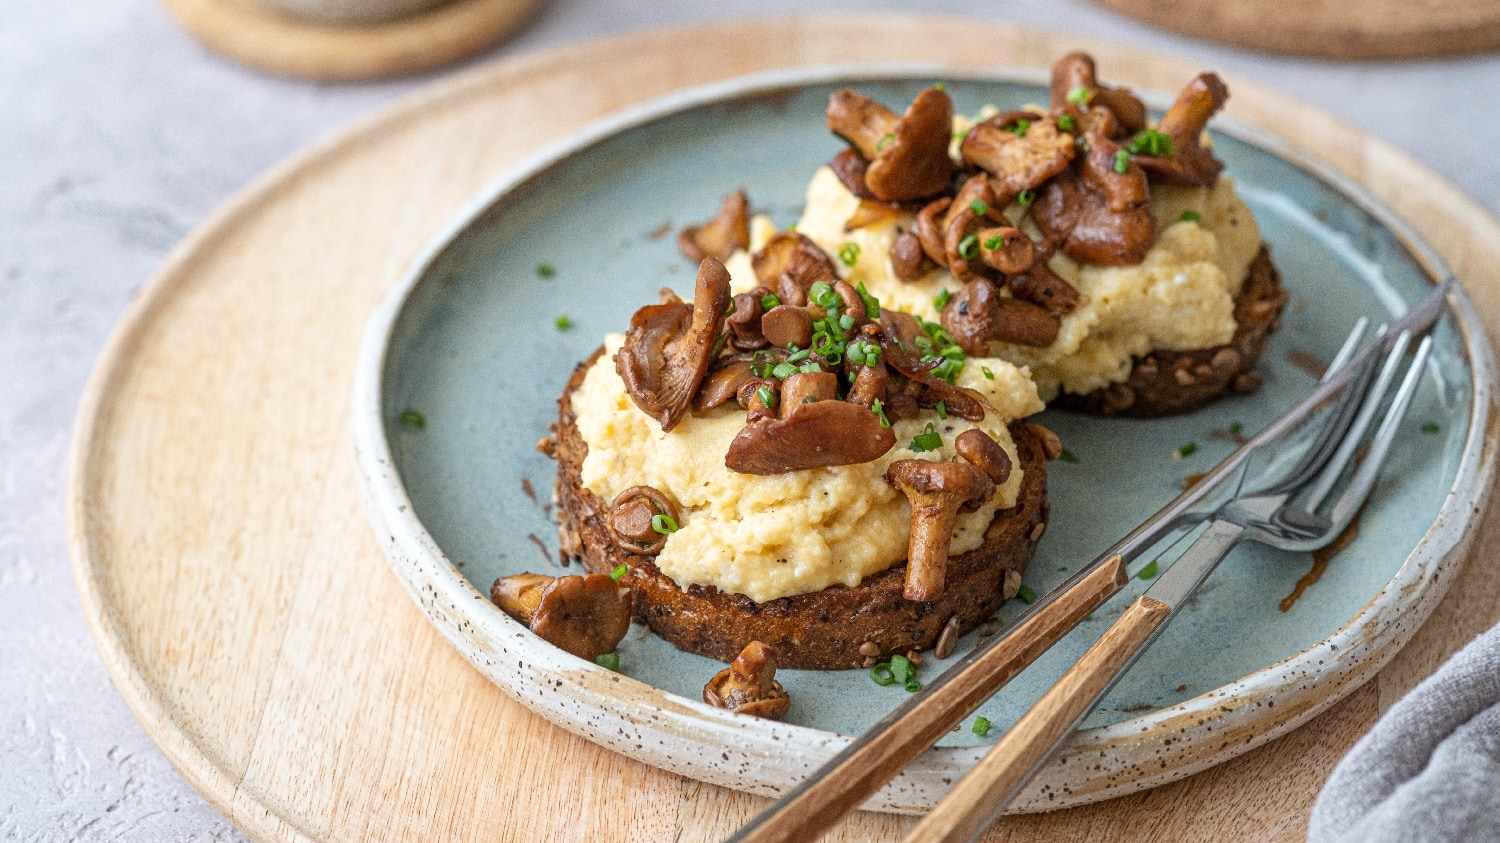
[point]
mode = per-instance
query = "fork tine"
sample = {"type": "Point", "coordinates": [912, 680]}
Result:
{"type": "Point", "coordinates": [1318, 488]}
{"type": "Point", "coordinates": [1346, 351]}
{"type": "Point", "coordinates": [1364, 477]}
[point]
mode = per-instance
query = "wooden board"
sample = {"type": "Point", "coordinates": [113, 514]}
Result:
{"type": "Point", "coordinates": [266, 39]}
{"type": "Point", "coordinates": [243, 606]}
{"type": "Point", "coordinates": [1331, 29]}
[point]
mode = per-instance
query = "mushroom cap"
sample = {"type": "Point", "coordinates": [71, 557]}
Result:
{"type": "Point", "coordinates": [816, 435]}
{"type": "Point", "coordinates": [916, 163]}
{"type": "Point", "coordinates": [1189, 161]}
{"type": "Point", "coordinates": [933, 483]}
{"type": "Point", "coordinates": [630, 519]}
{"type": "Point", "coordinates": [1098, 216]}
{"type": "Point", "coordinates": [587, 616]}
{"type": "Point", "coordinates": [748, 685]}
{"type": "Point", "coordinates": [1076, 70]}
{"type": "Point", "coordinates": [722, 383]}
{"type": "Point", "coordinates": [1019, 162]}
{"type": "Point", "coordinates": [668, 347]}
{"type": "Point", "coordinates": [721, 236]}
{"type": "Point", "coordinates": [791, 255]}
{"type": "Point", "coordinates": [977, 447]}
{"type": "Point", "coordinates": [518, 594]}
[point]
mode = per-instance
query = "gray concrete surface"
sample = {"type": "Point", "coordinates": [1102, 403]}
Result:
{"type": "Point", "coordinates": [118, 134]}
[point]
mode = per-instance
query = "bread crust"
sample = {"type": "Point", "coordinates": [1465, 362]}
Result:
{"type": "Point", "coordinates": [1169, 383]}
{"type": "Point", "coordinates": [824, 630]}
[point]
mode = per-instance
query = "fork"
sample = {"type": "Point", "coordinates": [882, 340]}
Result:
{"type": "Point", "coordinates": [1288, 512]}
{"type": "Point", "coordinates": [857, 772]}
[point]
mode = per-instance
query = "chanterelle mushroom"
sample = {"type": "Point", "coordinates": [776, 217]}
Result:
{"type": "Point", "coordinates": [936, 491]}
{"type": "Point", "coordinates": [633, 518]}
{"type": "Point", "coordinates": [587, 616]}
{"type": "Point", "coordinates": [1189, 162]}
{"type": "Point", "coordinates": [790, 263]}
{"type": "Point", "coordinates": [810, 434]}
{"type": "Point", "coordinates": [1021, 150]}
{"type": "Point", "coordinates": [908, 155]}
{"type": "Point", "coordinates": [1075, 84]}
{"type": "Point", "coordinates": [721, 236]}
{"type": "Point", "coordinates": [1102, 216]}
{"type": "Point", "coordinates": [748, 685]}
{"type": "Point", "coordinates": [669, 346]}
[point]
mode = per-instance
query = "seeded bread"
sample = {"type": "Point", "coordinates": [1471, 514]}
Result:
{"type": "Point", "coordinates": [1166, 383]}
{"type": "Point", "coordinates": [832, 629]}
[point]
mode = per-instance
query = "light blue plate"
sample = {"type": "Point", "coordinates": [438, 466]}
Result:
{"type": "Point", "coordinates": [471, 341]}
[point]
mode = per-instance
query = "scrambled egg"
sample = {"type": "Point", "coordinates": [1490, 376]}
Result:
{"type": "Point", "coordinates": [1180, 297]}
{"type": "Point", "coordinates": [784, 534]}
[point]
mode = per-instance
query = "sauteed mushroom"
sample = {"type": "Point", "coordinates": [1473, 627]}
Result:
{"type": "Point", "coordinates": [1019, 149]}
{"type": "Point", "coordinates": [1189, 162]}
{"type": "Point", "coordinates": [721, 236]}
{"type": "Point", "coordinates": [587, 616]}
{"type": "Point", "coordinates": [748, 685]}
{"type": "Point", "coordinates": [936, 491]}
{"type": "Point", "coordinates": [1102, 215]}
{"type": "Point", "coordinates": [979, 314]}
{"type": "Point", "coordinates": [1075, 72]}
{"type": "Point", "coordinates": [985, 453]}
{"type": "Point", "coordinates": [812, 434]}
{"type": "Point", "coordinates": [908, 155]}
{"type": "Point", "coordinates": [669, 346]}
{"type": "Point", "coordinates": [789, 263]}
{"type": "Point", "coordinates": [632, 517]}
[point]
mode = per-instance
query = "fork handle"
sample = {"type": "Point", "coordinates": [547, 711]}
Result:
{"type": "Point", "coordinates": [983, 793]}
{"type": "Point", "coordinates": [859, 771]}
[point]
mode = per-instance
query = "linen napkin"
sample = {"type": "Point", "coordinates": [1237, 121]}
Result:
{"type": "Point", "coordinates": [1430, 768]}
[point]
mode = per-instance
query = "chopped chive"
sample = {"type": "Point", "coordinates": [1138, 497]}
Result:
{"type": "Point", "coordinates": [849, 253]}
{"type": "Point", "coordinates": [718, 345]}
{"type": "Point", "coordinates": [608, 661]}
{"type": "Point", "coordinates": [940, 86]}
{"type": "Point", "coordinates": [988, 375]}
{"type": "Point", "coordinates": [942, 410]}
{"type": "Point", "coordinates": [1079, 95]}
{"type": "Point", "coordinates": [1067, 123]}
{"type": "Point", "coordinates": [1148, 572]}
{"type": "Point", "coordinates": [940, 300]}
{"type": "Point", "coordinates": [1431, 427]}
{"type": "Point", "coordinates": [1185, 451]}
{"type": "Point", "coordinates": [619, 572]}
{"type": "Point", "coordinates": [902, 670]}
{"type": "Point", "coordinates": [1019, 130]}
{"type": "Point", "coordinates": [872, 304]}
{"type": "Point", "coordinates": [881, 674]}
{"type": "Point", "coordinates": [1026, 594]}
{"type": "Point", "coordinates": [798, 356]}
{"type": "Point", "coordinates": [1026, 197]}
{"type": "Point", "coordinates": [1068, 456]}
{"type": "Point", "coordinates": [968, 248]}
{"type": "Point", "coordinates": [769, 300]}
{"type": "Point", "coordinates": [994, 242]}
{"type": "Point", "coordinates": [792, 227]}
{"type": "Point", "coordinates": [879, 410]}
{"type": "Point", "coordinates": [846, 322]}
{"type": "Point", "coordinates": [913, 686]}
{"type": "Point", "coordinates": [563, 323]}
{"type": "Point", "coordinates": [766, 396]}
{"type": "Point", "coordinates": [1122, 162]}
{"type": "Point", "coordinates": [664, 524]}
{"type": "Point", "coordinates": [1235, 428]}
{"type": "Point", "coordinates": [981, 726]}
{"type": "Point", "coordinates": [545, 270]}
{"type": "Point", "coordinates": [885, 142]}
{"type": "Point", "coordinates": [928, 440]}
{"type": "Point", "coordinates": [980, 207]}
{"type": "Point", "coordinates": [413, 419]}
{"type": "Point", "coordinates": [1190, 216]}
{"type": "Point", "coordinates": [1151, 142]}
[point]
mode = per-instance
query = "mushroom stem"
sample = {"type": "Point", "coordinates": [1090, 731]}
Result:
{"type": "Point", "coordinates": [748, 685]}
{"type": "Point", "coordinates": [936, 491]}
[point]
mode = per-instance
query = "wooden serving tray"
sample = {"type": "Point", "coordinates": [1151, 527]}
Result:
{"type": "Point", "coordinates": [243, 606]}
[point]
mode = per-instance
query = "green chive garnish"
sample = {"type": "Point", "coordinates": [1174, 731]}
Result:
{"type": "Point", "coordinates": [981, 726]}
{"type": "Point", "coordinates": [968, 248]}
{"type": "Point", "coordinates": [619, 572]}
{"type": "Point", "coordinates": [928, 440]}
{"type": "Point", "coordinates": [1190, 216]}
{"type": "Point", "coordinates": [980, 207]}
{"type": "Point", "coordinates": [545, 270]}
{"type": "Point", "coordinates": [1122, 162]}
{"type": "Point", "coordinates": [885, 142]}
{"type": "Point", "coordinates": [1026, 197]}
{"type": "Point", "coordinates": [1019, 130]}
{"type": "Point", "coordinates": [872, 304]}
{"type": "Point", "coordinates": [413, 419]}
{"type": "Point", "coordinates": [1067, 123]}
{"type": "Point", "coordinates": [881, 674]}
{"type": "Point", "coordinates": [988, 375]}
{"type": "Point", "coordinates": [902, 670]}
{"type": "Point", "coordinates": [1151, 142]}
{"type": "Point", "coordinates": [1078, 96]}
{"type": "Point", "coordinates": [1148, 572]}
{"type": "Point", "coordinates": [1068, 456]}
{"type": "Point", "coordinates": [664, 524]}
{"type": "Point", "coordinates": [1431, 427]}
{"type": "Point", "coordinates": [994, 242]}
{"type": "Point", "coordinates": [563, 323]}
{"type": "Point", "coordinates": [942, 410]}
{"type": "Point", "coordinates": [879, 410]}
{"type": "Point", "coordinates": [1026, 594]}
{"type": "Point", "coordinates": [1235, 428]}
{"type": "Point", "coordinates": [940, 86]}
{"type": "Point", "coordinates": [608, 661]}
{"type": "Point", "coordinates": [765, 395]}
{"type": "Point", "coordinates": [769, 300]}
{"type": "Point", "coordinates": [1185, 451]}
{"type": "Point", "coordinates": [940, 300]}
{"type": "Point", "coordinates": [849, 253]}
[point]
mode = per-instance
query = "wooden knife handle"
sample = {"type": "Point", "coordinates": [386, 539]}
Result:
{"type": "Point", "coordinates": [808, 810]}
{"type": "Point", "coordinates": [981, 795]}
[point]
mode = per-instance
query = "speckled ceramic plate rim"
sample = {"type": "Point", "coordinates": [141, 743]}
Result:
{"type": "Point", "coordinates": [766, 757]}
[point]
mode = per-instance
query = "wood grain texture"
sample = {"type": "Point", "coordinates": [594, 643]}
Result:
{"type": "Point", "coordinates": [1332, 29]}
{"type": "Point", "coordinates": [267, 39]}
{"type": "Point", "coordinates": [244, 609]}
